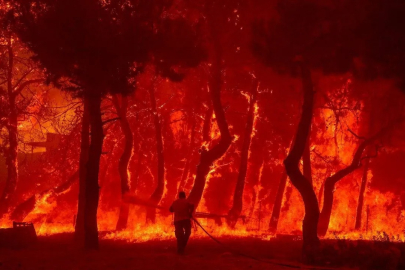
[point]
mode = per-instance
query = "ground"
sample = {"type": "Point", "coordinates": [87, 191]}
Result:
{"type": "Point", "coordinates": [58, 252]}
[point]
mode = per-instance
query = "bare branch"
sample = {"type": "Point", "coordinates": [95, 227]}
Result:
{"type": "Point", "coordinates": [25, 84]}
{"type": "Point", "coordinates": [22, 78]}
{"type": "Point", "coordinates": [111, 120]}
{"type": "Point", "coordinates": [355, 135]}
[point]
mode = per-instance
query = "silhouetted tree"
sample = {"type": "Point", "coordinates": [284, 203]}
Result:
{"type": "Point", "coordinates": [84, 156]}
{"type": "Point", "coordinates": [331, 181]}
{"type": "Point", "coordinates": [158, 192]}
{"type": "Point", "coordinates": [236, 209]}
{"type": "Point", "coordinates": [96, 45]}
{"type": "Point", "coordinates": [16, 76]}
{"type": "Point", "coordinates": [122, 108]}
{"type": "Point", "coordinates": [306, 36]}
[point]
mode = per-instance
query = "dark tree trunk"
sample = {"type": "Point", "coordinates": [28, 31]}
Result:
{"type": "Point", "coordinates": [92, 171]}
{"type": "Point", "coordinates": [84, 155]}
{"type": "Point", "coordinates": [275, 215]}
{"type": "Point", "coordinates": [138, 170]}
{"type": "Point", "coordinates": [331, 181]}
{"type": "Point", "coordinates": [256, 195]}
{"type": "Point", "coordinates": [23, 209]}
{"type": "Point", "coordinates": [124, 160]}
{"type": "Point", "coordinates": [237, 206]}
{"type": "Point", "coordinates": [205, 140]}
{"type": "Point", "coordinates": [361, 196]}
{"type": "Point", "coordinates": [186, 169]}
{"type": "Point", "coordinates": [158, 193]}
{"type": "Point", "coordinates": [208, 157]}
{"type": "Point", "coordinates": [321, 189]}
{"type": "Point", "coordinates": [309, 226]}
{"type": "Point", "coordinates": [306, 161]}
{"type": "Point", "coordinates": [12, 153]}
{"type": "Point", "coordinates": [207, 124]}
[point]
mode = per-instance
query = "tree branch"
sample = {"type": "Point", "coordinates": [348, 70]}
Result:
{"type": "Point", "coordinates": [22, 78]}
{"type": "Point", "coordinates": [111, 120]}
{"type": "Point", "coordinates": [25, 84]}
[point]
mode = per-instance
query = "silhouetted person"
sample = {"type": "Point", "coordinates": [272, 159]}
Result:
{"type": "Point", "coordinates": [183, 211]}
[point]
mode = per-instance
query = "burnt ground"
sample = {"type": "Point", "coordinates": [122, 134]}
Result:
{"type": "Point", "coordinates": [58, 252]}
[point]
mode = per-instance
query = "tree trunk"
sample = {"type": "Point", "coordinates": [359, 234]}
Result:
{"type": "Point", "coordinates": [306, 161]}
{"type": "Point", "coordinates": [207, 123]}
{"type": "Point", "coordinates": [84, 155]}
{"type": "Point", "coordinates": [124, 160]}
{"type": "Point", "coordinates": [12, 153]}
{"type": "Point", "coordinates": [361, 196]}
{"type": "Point", "coordinates": [309, 226]}
{"type": "Point", "coordinates": [208, 157]}
{"type": "Point", "coordinates": [237, 206]}
{"type": "Point", "coordinates": [275, 215]}
{"type": "Point", "coordinates": [320, 193]}
{"type": "Point", "coordinates": [92, 171]}
{"type": "Point", "coordinates": [186, 169]}
{"type": "Point", "coordinates": [158, 193]}
{"type": "Point", "coordinates": [138, 170]}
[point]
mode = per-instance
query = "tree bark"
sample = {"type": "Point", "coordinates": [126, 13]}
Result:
{"type": "Point", "coordinates": [360, 203]}
{"type": "Point", "coordinates": [12, 153]}
{"type": "Point", "coordinates": [92, 172]}
{"type": "Point", "coordinates": [84, 155]}
{"type": "Point", "coordinates": [208, 157]}
{"type": "Point", "coordinates": [186, 169]}
{"type": "Point", "coordinates": [207, 123]}
{"type": "Point", "coordinates": [237, 205]}
{"type": "Point", "coordinates": [331, 181]}
{"type": "Point", "coordinates": [275, 215]}
{"type": "Point", "coordinates": [158, 193]}
{"type": "Point", "coordinates": [309, 226]}
{"type": "Point", "coordinates": [306, 161]}
{"type": "Point", "coordinates": [138, 170]}
{"type": "Point", "coordinates": [124, 160]}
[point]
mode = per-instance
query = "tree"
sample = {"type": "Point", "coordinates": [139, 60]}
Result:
{"type": "Point", "coordinates": [360, 203]}
{"type": "Point", "coordinates": [179, 49]}
{"type": "Point", "coordinates": [275, 214]}
{"type": "Point", "coordinates": [17, 74]}
{"type": "Point", "coordinates": [121, 109]}
{"type": "Point", "coordinates": [291, 163]}
{"type": "Point", "coordinates": [215, 24]}
{"type": "Point", "coordinates": [158, 193]}
{"type": "Point", "coordinates": [306, 36]}
{"type": "Point", "coordinates": [84, 156]}
{"type": "Point", "coordinates": [331, 181]}
{"type": "Point", "coordinates": [96, 46]}
{"type": "Point", "coordinates": [236, 209]}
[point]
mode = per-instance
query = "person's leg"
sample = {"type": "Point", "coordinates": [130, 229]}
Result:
{"type": "Point", "coordinates": [179, 235]}
{"type": "Point", "coordinates": [187, 232]}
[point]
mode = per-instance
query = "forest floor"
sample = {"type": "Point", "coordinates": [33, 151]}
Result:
{"type": "Point", "coordinates": [58, 252]}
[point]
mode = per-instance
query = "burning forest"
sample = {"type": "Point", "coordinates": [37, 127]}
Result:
{"type": "Point", "coordinates": [281, 122]}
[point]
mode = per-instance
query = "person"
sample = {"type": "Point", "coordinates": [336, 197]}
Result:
{"type": "Point", "coordinates": [183, 211]}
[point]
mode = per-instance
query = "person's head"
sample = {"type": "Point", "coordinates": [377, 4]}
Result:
{"type": "Point", "coordinates": [182, 195]}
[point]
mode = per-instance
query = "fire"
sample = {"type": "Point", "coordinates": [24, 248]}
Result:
{"type": "Point", "coordinates": [332, 148]}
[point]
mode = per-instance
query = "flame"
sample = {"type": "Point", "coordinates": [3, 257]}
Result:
{"type": "Point", "coordinates": [332, 148]}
